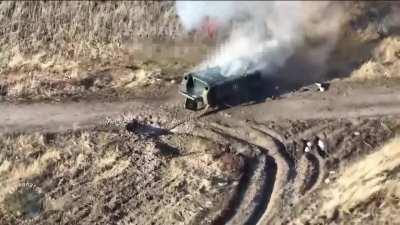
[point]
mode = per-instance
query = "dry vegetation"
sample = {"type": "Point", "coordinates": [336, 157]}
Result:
{"type": "Point", "coordinates": [376, 175]}
{"type": "Point", "coordinates": [38, 81]}
{"type": "Point", "coordinates": [368, 46]}
{"type": "Point", "coordinates": [366, 192]}
{"type": "Point", "coordinates": [385, 62]}
{"type": "Point", "coordinates": [58, 50]}
{"type": "Point", "coordinates": [120, 178]}
{"type": "Point", "coordinates": [69, 49]}
{"type": "Point", "coordinates": [72, 49]}
{"type": "Point", "coordinates": [75, 27]}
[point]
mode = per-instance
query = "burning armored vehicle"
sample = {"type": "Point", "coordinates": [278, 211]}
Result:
{"type": "Point", "coordinates": [215, 87]}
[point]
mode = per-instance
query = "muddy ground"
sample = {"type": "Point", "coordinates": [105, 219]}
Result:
{"type": "Point", "coordinates": [148, 161]}
{"type": "Point", "coordinates": [107, 141]}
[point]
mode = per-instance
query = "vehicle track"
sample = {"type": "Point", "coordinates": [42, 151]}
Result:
{"type": "Point", "coordinates": [278, 173]}
{"type": "Point", "coordinates": [271, 149]}
{"type": "Point", "coordinates": [292, 183]}
{"type": "Point", "coordinates": [255, 188]}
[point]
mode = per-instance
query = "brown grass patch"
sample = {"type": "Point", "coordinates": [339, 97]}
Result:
{"type": "Point", "coordinates": [76, 26]}
{"type": "Point", "coordinates": [385, 62]}
{"type": "Point", "coordinates": [375, 178]}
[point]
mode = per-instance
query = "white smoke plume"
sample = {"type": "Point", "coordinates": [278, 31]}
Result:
{"type": "Point", "coordinates": [264, 34]}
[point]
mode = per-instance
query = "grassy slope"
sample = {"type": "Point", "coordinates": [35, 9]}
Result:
{"type": "Point", "coordinates": [367, 192]}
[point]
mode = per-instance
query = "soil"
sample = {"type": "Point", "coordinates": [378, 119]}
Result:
{"type": "Point", "coordinates": [243, 165]}
{"type": "Point", "coordinates": [108, 141]}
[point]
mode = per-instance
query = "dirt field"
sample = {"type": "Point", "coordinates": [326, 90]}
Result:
{"type": "Point", "coordinates": [125, 161]}
{"type": "Point", "coordinates": [106, 140]}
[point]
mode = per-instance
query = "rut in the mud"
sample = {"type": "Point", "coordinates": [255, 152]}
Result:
{"type": "Point", "coordinates": [297, 162]}
{"type": "Point", "coordinates": [277, 172]}
{"type": "Point", "coordinates": [253, 193]}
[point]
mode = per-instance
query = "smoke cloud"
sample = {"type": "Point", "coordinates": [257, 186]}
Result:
{"type": "Point", "coordinates": [264, 34]}
{"type": "Point", "coordinates": [393, 19]}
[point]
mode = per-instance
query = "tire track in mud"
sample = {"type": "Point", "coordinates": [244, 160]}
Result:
{"type": "Point", "coordinates": [277, 193]}
{"type": "Point", "coordinates": [257, 204]}
{"type": "Point", "coordinates": [314, 160]}
{"type": "Point", "coordinates": [270, 174]}
{"type": "Point", "coordinates": [267, 185]}
{"type": "Point", "coordinates": [250, 200]}
{"type": "Point", "coordinates": [253, 193]}
{"type": "Point", "coordinates": [313, 173]}
{"type": "Point", "coordinates": [281, 149]}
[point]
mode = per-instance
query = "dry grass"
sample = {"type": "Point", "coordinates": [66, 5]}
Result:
{"type": "Point", "coordinates": [110, 165]}
{"type": "Point", "coordinates": [36, 81]}
{"type": "Point", "coordinates": [76, 26]}
{"type": "Point", "coordinates": [114, 165]}
{"type": "Point", "coordinates": [14, 174]}
{"type": "Point", "coordinates": [116, 169]}
{"type": "Point", "coordinates": [108, 159]}
{"type": "Point", "coordinates": [371, 182]}
{"type": "Point", "coordinates": [385, 62]}
{"type": "Point", "coordinates": [79, 148]}
{"type": "Point", "coordinates": [48, 48]}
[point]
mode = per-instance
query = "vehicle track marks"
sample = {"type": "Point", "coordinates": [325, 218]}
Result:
{"type": "Point", "coordinates": [272, 148]}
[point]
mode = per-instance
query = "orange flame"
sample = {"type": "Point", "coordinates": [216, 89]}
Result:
{"type": "Point", "coordinates": [210, 26]}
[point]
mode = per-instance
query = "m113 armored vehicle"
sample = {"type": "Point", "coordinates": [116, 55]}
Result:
{"type": "Point", "coordinates": [213, 87]}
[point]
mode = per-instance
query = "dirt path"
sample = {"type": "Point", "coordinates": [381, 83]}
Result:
{"type": "Point", "coordinates": [57, 117]}
{"type": "Point", "coordinates": [340, 101]}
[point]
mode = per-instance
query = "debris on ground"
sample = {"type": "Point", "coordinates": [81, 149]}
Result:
{"type": "Point", "coordinates": [321, 144]}
{"type": "Point", "coordinates": [322, 86]}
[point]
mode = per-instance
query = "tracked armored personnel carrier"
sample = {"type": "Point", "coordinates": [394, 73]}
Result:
{"type": "Point", "coordinates": [212, 87]}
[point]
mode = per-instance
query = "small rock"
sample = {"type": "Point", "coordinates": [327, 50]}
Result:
{"type": "Point", "coordinates": [208, 203]}
{"type": "Point", "coordinates": [356, 133]}
{"type": "Point", "coordinates": [322, 87]}
{"type": "Point", "coordinates": [173, 81]}
{"type": "Point", "coordinates": [309, 144]}
{"type": "Point", "coordinates": [227, 115]}
{"type": "Point", "coordinates": [332, 172]}
{"type": "Point", "coordinates": [221, 184]}
{"type": "Point", "coordinates": [321, 144]}
{"type": "Point", "coordinates": [327, 181]}
{"type": "Point", "coordinates": [307, 149]}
